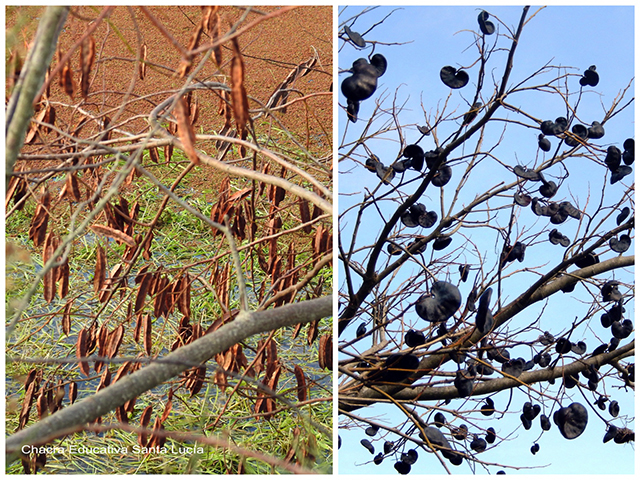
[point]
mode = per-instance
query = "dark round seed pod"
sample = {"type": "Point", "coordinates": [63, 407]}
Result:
{"type": "Point", "coordinates": [453, 78]}
{"type": "Point", "coordinates": [460, 433]}
{"type": "Point", "coordinates": [596, 130]}
{"type": "Point", "coordinates": [444, 301]}
{"type": "Point", "coordinates": [454, 457]}
{"type": "Point", "coordinates": [427, 219]}
{"type": "Point", "coordinates": [464, 272]}
{"type": "Point", "coordinates": [527, 174]}
{"type": "Point", "coordinates": [380, 63]}
{"type": "Point", "coordinates": [393, 249]}
{"type": "Point", "coordinates": [368, 445]}
{"type": "Point", "coordinates": [628, 156]}
{"type": "Point", "coordinates": [620, 245]}
{"type": "Point", "coordinates": [543, 359]}
{"type": "Point", "coordinates": [371, 431]}
{"type": "Point", "coordinates": [526, 423]}
{"type": "Point", "coordinates": [362, 83]}
{"type": "Point", "coordinates": [399, 367]}
{"type": "Point", "coordinates": [622, 329]}
{"type": "Point", "coordinates": [478, 444]}
{"type": "Point", "coordinates": [402, 468]}
{"type": "Point", "coordinates": [522, 199]}
{"type": "Point", "coordinates": [545, 423]}
{"type": "Point", "coordinates": [410, 457]}
{"type": "Point", "coordinates": [611, 433]}
{"type": "Point", "coordinates": [571, 420]}
{"type": "Point", "coordinates": [499, 355]}
{"type": "Point", "coordinates": [563, 346]}
{"type": "Point", "coordinates": [442, 177]}
{"type": "Point", "coordinates": [488, 408]}
{"type": "Point", "coordinates": [355, 37]}
{"type": "Point", "coordinates": [387, 447]}
{"type": "Point", "coordinates": [587, 260]}
{"type": "Point", "coordinates": [371, 163]}
{"type": "Point", "coordinates": [570, 381]}
{"type": "Point", "coordinates": [624, 213]}
{"type": "Point", "coordinates": [590, 77]}
{"type": "Point", "coordinates": [548, 189]}
{"type": "Point", "coordinates": [619, 174]}
{"type": "Point", "coordinates": [463, 383]}
{"type": "Point", "coordinates": [441, 243]}
{"type": "Point", "coordinates": [612, 160]}
{"type": "Point", "coordinates": [486, 27]}
{"type": "Point", "coordinates": [613, 344]}
{"type": "Point", "coordinates": [414, 338]}
{"type": "Point", "coordinates": [579, 348]}
{"type": "Point", "coordinates": [579, 131]}
{"type": "Point", "coordinates": [414, 150]}
{"type": "Point", "coordinates": [601, 349]}
{"type": "Point", "coordinates": [543, 143]}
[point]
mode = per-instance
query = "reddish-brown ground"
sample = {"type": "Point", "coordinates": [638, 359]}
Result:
{"type": "Point", "coordinates": [271, 49]}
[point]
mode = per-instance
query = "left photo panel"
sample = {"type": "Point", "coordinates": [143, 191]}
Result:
{"type": "Point", "coordinates": [168, 235]}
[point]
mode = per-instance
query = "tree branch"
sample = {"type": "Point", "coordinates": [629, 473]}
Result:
{"type": "Point", "coordinates": [201, 350]}
{"type": "Point", "coordinates": [433, 361]}
{"type": "Point", "coordinates": [20, 108]}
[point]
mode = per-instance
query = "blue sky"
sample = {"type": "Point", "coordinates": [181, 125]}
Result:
{"type": "Point", "coordinates": [563, 36]}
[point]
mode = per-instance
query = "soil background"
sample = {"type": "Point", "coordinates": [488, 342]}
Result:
{"type": "Point", "coordinates": [270, 51]}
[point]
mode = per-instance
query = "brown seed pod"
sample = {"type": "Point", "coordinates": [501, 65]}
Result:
{"type": "Point", "coordinates": [142, 66]}
{"type": "Point", "coordinates": [67, 79]}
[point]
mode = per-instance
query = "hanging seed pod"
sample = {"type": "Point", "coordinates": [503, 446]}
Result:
{"type": "Point", "coordinates": [441, 304]}
{"type": "Point", "coordinates": [555, 237]}
{"type": "Point", "coordinates": [571, 420]}
{"type": "Point", "coordinates": [442, 177]}
{"type": "Point", "coordinates": [527, 174]}
{"type": "Point", "coordinates": [579, 131]}
{"type": "Point", "coordinates": [355, 37]}
{"type": "Point", "coordinates": [543, 143]}
{"type": "Point", "coordinates": [414, 338]}
{"type": "Point", "coordinates": [628, 156]}
{"type": "Point", "coordinates": [453, 78]}
{"type": "Point", "coordinates": [618, 175]}
{"type": "Point", "coordinates": [548, 189]}
{"type": "Point", "coordinates": [596, 130]}
{"type": "Point", "coordinates": [522, 199]}
{"type": "Point", "coordinates": [464, 272]}
{"type": "Point", "coordinates": [620, 245]}
{"type": "Point", "coordinates": [486, 27]}
{"type": "Point", "coordinates": [624, 213]}
{"type": "Point", "coordinates": [612, 160]}
{"type": "Point", "coordinates": [441, 243]}
{"type": "Point", "coordinates": [590, 77]}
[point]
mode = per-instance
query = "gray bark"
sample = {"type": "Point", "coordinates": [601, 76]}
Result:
{"type": "Point", "coordinates": [161, 370]}
{"type": "Point", "coordinates": [34, 71]}
{"type": "Point", "coordinates": [367, 395]}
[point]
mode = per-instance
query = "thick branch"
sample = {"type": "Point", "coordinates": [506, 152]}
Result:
{"type": "Point", "coordinates": [431, 362]}
{"type": "Point", "coordinates": [527, 378]}
{"type": "Point", "coordinates": [161, 370]}
{"type": "Point", "coordinates": [20, 108]}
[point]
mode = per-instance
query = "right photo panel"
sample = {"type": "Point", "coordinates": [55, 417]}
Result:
{"type": "Point", "coordinates": [486, 238]}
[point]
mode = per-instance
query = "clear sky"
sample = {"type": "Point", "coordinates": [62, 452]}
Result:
{"type": "Point", "coordinates": [564, 36]}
